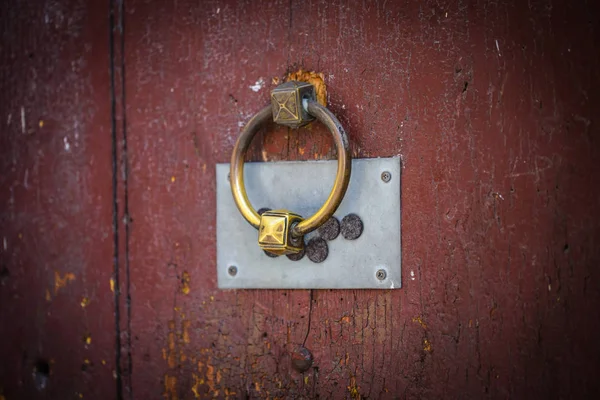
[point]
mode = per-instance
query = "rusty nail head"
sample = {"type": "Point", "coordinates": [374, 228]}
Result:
{"type": "Point", "coordinates": [381, 274]}
{"type": "Point", "coordinates": [386, 176]}
{"type": "Point", "coordinates": [330, 229]}
{"type": "Point", "coordinates": [232, 270]}
{"type": "Point", "coordinates": [351, 227]}
{"type": "Point", "coordinates": [317, 250]}
{"type": "Point", "coordinates": [302, 359]}
{"type": "Point", "coordinates": [297, 256]}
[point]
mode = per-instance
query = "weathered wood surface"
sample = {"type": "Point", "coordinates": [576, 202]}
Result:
{"type": "Point", "coordinates": [56, 229]}
{"type": "Point", "coordinates": [492, 106]}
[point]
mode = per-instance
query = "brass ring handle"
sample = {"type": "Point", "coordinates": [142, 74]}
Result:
{"type": "Point", "coordinates": [294, 226]}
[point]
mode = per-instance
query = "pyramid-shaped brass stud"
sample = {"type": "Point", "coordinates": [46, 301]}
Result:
{"type": "Point", "coordinates": [274, 232]}
{"type": "Point", "coordinates": [286, 101]}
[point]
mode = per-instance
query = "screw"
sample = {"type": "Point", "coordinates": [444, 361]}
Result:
{"type": "Point", "coordinates": [232, 270]}
{"type": "Point", "coordinates": [386, 176]}
{"type": "Point", "coordinates": [381, 274]}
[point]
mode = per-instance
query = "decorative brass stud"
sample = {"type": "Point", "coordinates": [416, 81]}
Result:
{"type": "Point", "coordinates": [286, 101]}
{"type": "Point", "coordinates": [274, 233]}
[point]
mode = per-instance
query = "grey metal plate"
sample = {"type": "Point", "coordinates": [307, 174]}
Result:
{"type": "Point", "coordinates": [302, 187]}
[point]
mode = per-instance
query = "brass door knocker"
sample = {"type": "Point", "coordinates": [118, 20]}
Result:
{"type": "Point", "coordinates": [280, 231]}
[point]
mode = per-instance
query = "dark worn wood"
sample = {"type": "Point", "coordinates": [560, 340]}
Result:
{"type": "Point", "coordinates": [492, 108]}
{"type": "Point", "coordinates": [56, 203]}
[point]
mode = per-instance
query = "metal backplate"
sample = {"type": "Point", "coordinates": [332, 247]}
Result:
{"type": "Point", "coordinates": [302, 187]}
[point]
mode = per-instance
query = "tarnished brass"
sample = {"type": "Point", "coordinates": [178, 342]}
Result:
{"type": "Point", "coordinates": [293, 104]}
{"type": "Point", "coordinates": [274, 232]}
{"type": "Point", "coordinates": [286, 100]}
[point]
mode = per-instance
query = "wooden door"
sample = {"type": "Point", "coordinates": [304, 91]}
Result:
{"type": "Point", "coordinates": [491, 106]}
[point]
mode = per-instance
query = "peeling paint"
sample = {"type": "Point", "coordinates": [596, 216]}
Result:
{"type": "Point", "coordinates": [61, 282]}
{"type": "Point", "coordinates": [185, 283]}
{"type": "Point", "coordinates": [258, 85]}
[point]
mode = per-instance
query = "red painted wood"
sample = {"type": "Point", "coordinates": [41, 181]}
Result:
{"type": "Point", "coordinates": [56, 239]}
{"type": "Point", "coordinates": [491, 106]}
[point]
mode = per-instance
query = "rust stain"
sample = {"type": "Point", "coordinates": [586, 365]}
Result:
{"type": "Point", "coordinates": [48, 297]}
{"type": "Point", "coordinates": [60, 283]}
{"type": "Point", "coordinates": [85, 302]}
{"type": "Point", "coordinates": [427, 345]}
{"type": "Point", "coordinates": [112, 285]}
{"type": "Point", "coordinates": [185, 283]}
{"type": "Point", "coordinates": [315, 78]}
{"type": "Point", "coordinates": [87, 339]}
{"type": "Point", "coordinates": [170, 387]}
{"type": "Point", "coordinates": [420, 321]}
{"type": "Point", "coordinates": [346, 319]}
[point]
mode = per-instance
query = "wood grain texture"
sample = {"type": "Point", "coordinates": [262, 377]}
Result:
{"type": "Point", "coordinates": [490, 105]}
{"type": "Point", "coordinates": [56, 236]}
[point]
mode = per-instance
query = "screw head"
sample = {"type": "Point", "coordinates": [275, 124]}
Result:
{"type": "Point", "coordinates": [381, 274]}
{"type": "Point", "coordinates": [386, 176]}
{"type": "Point", "coordinates": [232, 270]}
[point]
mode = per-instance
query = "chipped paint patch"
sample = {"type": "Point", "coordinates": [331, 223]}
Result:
{"type": "Point", "coordinates": [427, 345]}
{"type": "Point", "coordinates": [258, 85]}
{"type": "Point", "coordinates": [171, 356]}
{"type": "Point", "coordinates": [112, 285]}
{"type": "Point", "coordinates": [85, 302]}
{"type": "Point", "coordinates": [185, 335]}
{"type": "Point", "coordinates": [353, 389]}
{"type": "Point", "coordinates": [185, 283]}
{"type": "Point", "coordinates": [61, 282]}
{"type": "Point", "coordinates": [170, 387]}
{"type": "Point", "coordinates": [197, 383]}
{"type": "Point", "coordinates": [317, 79]}
{"type": "Point", "coordinates": [420, 321]}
